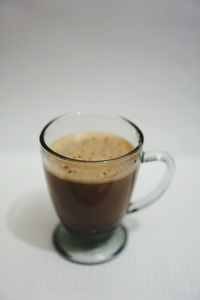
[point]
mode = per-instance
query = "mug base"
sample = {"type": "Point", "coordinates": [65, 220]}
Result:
{"type": "Point", "coordinates": [96, 252]}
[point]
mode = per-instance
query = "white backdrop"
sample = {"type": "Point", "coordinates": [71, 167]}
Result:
{"type": "Point", "coordinates": [137, 58]}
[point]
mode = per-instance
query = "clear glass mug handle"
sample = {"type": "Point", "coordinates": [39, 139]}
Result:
{"type": "Point", "coordinates": [159, 156]}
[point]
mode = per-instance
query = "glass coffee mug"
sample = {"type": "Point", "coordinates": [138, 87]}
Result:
{"type": "Point", "coordinates": [91, 196]}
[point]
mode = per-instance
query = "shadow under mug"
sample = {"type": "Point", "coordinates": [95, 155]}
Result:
{"type": "Point", "coordinates": [92, 197]}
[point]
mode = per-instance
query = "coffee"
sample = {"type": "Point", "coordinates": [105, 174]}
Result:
{"type": "Point", "coordinates": [90, 194]}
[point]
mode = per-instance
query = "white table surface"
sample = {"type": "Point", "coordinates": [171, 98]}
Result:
{"type": "Point", "coordinates": [140, 59]}
{"type": "Point", "coordinates": [160, 261]}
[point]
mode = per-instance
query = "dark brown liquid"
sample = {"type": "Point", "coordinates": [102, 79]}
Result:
{"type": "Point", "coordinates": [90, 207]}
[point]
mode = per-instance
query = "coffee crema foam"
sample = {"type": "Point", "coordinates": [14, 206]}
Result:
{"type": "Point", "coordinates": [87, 148]}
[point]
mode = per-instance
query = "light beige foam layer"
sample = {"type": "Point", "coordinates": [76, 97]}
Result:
{"type": "Point", "coordinates": [92, 147]}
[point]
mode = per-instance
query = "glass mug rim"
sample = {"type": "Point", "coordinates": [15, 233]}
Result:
{"type": "Point", "coordinates": [83, 112]}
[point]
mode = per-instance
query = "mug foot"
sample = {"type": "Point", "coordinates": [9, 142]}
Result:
{"type": "Point", "coordinates": [96, 252]}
